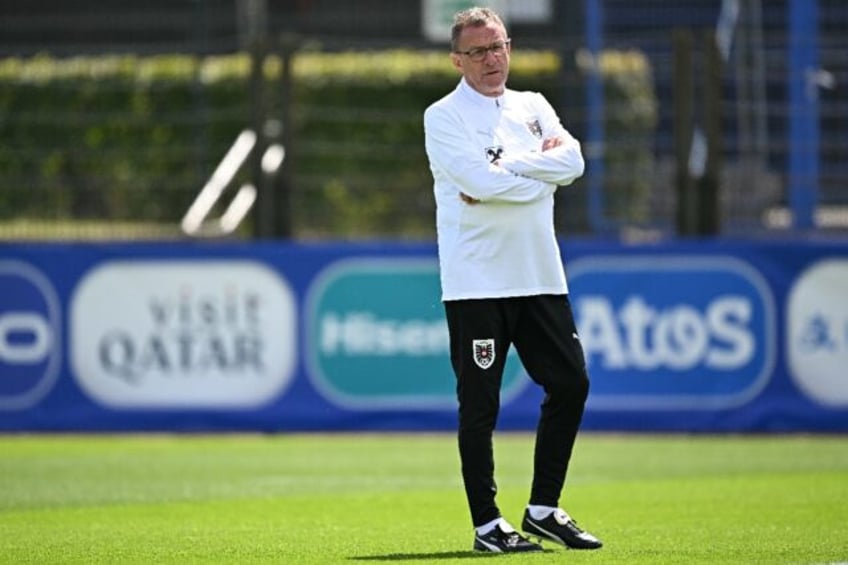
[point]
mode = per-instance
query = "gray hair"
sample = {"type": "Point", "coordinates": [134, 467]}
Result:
{"type": "Point", "coordinates": [472, 17]}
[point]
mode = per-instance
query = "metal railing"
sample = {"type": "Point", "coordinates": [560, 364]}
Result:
{"type": "Point", "coordinates": [197, 221]}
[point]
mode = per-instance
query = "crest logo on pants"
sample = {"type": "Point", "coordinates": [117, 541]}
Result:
{"type": "Point", "coordinates": [484, 352]}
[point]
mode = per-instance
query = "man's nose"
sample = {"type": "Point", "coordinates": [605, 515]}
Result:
{"type": "Point", "coordinates": [490, 55]}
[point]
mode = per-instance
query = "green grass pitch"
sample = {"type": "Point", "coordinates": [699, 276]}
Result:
{"type": "Point", "coordinates": [397, 498]}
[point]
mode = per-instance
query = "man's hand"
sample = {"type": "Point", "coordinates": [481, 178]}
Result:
{"type": "Point", "coordinates": [467, 199]}
{"type": "Point", "coordinates": [552, 142]}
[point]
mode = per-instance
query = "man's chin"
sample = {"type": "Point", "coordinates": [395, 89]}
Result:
{"type": "Point", "coordinates": [495, 84]}
{"type": "Point", "coordinates": [495, 88]}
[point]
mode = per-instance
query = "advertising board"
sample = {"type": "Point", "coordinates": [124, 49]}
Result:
{"type": "Point", "coordinates": [680, 337]}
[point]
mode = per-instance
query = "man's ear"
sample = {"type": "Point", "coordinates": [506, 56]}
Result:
{"type": "Point", "coordinates": [457, 61]}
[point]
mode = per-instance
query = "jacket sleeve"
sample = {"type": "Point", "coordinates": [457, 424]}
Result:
{"type": "Point", "coordinates": [561, 165]}
{"type": "Point", "coordinates": [453, 154]}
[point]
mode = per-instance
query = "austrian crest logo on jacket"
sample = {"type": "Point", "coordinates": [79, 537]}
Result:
{"type": "Point", "coordinates": [484, 352]}
{"type": "Point", "coordinates": [535, 127]}
{"type": "Point", "coordinates": [494, 153]}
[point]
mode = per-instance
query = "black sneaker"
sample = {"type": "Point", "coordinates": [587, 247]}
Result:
{"type": "Point", "coordinates": [559, 528]}
{"type": "Point", "coordinates": [500, 541]}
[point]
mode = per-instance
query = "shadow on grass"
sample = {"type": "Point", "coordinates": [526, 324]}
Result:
{"type": "Point", "coordinates": [419, 556]}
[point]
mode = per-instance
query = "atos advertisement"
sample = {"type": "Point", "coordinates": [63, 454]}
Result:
{"type": "Point", "coordinates": [278, 337]}
{"type": "Point", "coordinates": [673, 332]}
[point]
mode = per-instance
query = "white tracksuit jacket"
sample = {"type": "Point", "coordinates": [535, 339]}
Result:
{"type": "Point", "coordinates": [505, 245]}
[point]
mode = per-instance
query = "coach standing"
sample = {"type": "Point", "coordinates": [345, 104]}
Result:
{"type": "Point", "coordinates": [497, 157]}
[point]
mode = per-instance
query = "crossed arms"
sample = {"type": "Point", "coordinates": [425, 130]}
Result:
{"type": "Point", "coordinates": [517, 177]}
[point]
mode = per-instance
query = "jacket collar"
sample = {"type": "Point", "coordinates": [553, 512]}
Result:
{"type": "Point", "coordinates": [476, 98]}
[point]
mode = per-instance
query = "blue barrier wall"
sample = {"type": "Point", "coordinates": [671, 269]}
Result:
{"type": "Point", "coordinates": [697, 336]}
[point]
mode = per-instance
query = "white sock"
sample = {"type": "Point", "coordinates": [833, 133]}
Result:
{"type": "Point", "coordinates": [489, 526]}
{"type": "Point", "coordinates": [540, 512]}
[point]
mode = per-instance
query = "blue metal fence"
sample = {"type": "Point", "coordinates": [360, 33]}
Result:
{"type": "Point", "coordinates": [785, 129]}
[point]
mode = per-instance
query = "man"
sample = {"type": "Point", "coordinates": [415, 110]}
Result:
{"type": "Point", "coordinates": [497, 156]}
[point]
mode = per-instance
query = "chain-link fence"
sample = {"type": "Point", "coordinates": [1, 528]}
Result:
{"type": "Point", "coordinates": [115, 115]}
{"type": "Point", "coordinates": [762, 126]}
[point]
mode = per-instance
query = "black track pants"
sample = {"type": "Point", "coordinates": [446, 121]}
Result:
{"type": "Point", "coordinates": [543, 332]}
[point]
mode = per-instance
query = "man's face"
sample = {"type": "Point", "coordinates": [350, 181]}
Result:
{"type": "Point", "coordinates": [488, 75]}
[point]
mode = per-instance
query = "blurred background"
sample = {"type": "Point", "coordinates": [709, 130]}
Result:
{"type": "Point", "coordinates": [219, 214]}
{"type": "Point", "coordinates": [115, 115]}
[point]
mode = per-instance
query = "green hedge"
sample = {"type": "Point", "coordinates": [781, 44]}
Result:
{"type": "Point", "coordinates": [134, 138]}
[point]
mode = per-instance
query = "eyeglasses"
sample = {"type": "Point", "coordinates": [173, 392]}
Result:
{"type": "Point", "coordinates": [479, 53]}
